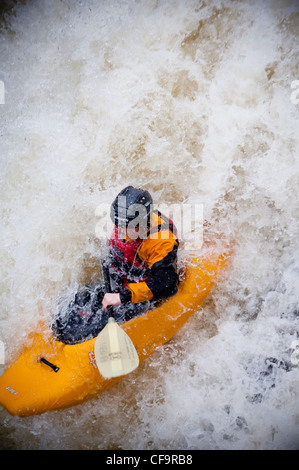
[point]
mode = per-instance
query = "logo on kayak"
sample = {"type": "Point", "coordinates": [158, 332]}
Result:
{"type": "Point", "coordinates": [12, 391]}
{"type": "Point", "coordinates": [92, 360]}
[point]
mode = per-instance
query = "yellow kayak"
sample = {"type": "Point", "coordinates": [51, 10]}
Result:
{"type": "Point", "coordinates": [50, 375]}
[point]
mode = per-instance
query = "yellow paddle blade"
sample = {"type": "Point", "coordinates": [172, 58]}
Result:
{"type": "Point", "coordinates": [114, 351]}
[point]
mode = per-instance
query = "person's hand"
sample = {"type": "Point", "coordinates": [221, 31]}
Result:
{"type": "Point", "coordinates": [111, 299]}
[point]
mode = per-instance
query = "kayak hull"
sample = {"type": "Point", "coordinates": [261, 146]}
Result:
{"type": "Point", "coordinates": [30, 386]}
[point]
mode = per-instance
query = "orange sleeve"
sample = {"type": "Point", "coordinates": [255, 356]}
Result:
{"type": "Point", "coordinates": [152, 250]}
{"type": "Point", "coordinates": [155, 249]}
{"type": "Point", "coordinates": [140, 292]}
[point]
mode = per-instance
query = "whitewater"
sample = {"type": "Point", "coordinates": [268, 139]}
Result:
{"type": "Point", "coordinates": [197, 102]}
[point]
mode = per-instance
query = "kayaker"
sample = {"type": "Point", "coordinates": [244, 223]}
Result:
{"type": "Point", "coordinates": [142, 269]}
{"type": "Point", "coordinates": [142, 251]}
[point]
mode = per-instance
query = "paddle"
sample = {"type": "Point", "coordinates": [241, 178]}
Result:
{"type": "Point", "coordinates": [114, 351]}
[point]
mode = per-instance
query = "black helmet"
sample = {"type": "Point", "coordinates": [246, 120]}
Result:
{"type": "Point", "coordinates": [124, 207]}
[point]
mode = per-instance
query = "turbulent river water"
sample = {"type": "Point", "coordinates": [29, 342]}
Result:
{"type": "Point", "coordinates": [196, 101]}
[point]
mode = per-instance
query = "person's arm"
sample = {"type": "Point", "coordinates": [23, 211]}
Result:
{"type": "Point", "coordinates": [163, 279]}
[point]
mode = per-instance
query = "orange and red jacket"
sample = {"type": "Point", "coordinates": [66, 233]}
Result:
{"type": "Point", "coordinates": [146, 265]}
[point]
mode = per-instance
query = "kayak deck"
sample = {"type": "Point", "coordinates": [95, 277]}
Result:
{"type": "Point", "coordinates": [31, 386]}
